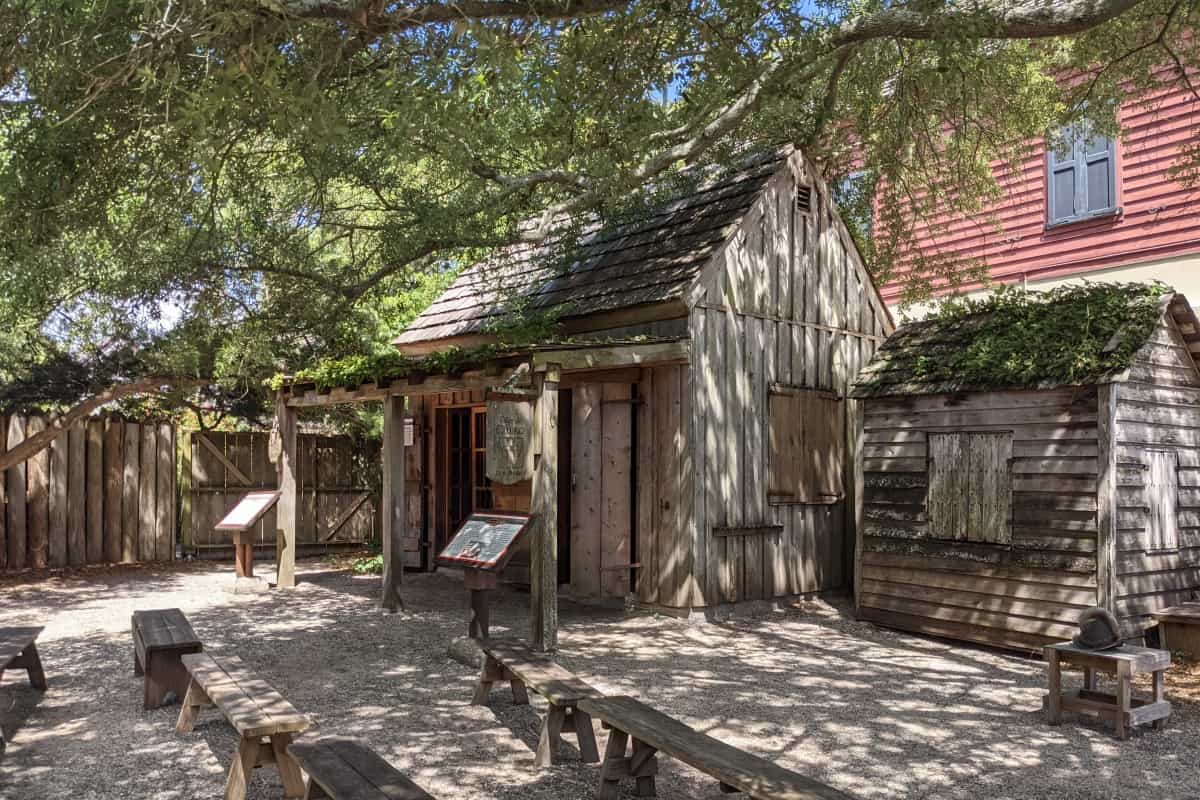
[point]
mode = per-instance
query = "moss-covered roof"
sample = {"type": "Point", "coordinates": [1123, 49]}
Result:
{"type": "Point", "coordinates": [1017, 339]}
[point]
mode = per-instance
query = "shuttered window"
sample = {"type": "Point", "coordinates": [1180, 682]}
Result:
{"type": "Point", "coordinates": [970, 487]}
{"type": "Point", "coordinates": [1081, 180]}
{"type": "Point", "coordinates": [1162, 500]}
{"type": "Point", "coordinates": [808, 446]}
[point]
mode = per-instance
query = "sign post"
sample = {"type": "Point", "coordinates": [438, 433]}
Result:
{"type": "Point", "coordinates": [244, 516]}
{"type": "Point", "coordinates": [482, 547]}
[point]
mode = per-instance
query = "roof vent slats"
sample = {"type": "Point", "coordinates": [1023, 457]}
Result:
{"type": "Point", "coordinates": [804, 199]}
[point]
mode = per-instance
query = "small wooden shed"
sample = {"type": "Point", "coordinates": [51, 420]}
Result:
{"type": "Point", "coordinates": [996, 511]}
{"type": "Point", "coordinates": [694, 396]}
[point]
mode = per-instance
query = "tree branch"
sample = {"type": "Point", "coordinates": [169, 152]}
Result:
{"type": "Point", "coordinates": [55, 427]}
{"type": "Point", "coordinates": [378, 19]}
{"type": "Point", "coordinates": [985, 19]}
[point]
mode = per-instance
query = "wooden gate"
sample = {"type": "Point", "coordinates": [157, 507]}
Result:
{"type": "Point", "coordinates": [337, 478]}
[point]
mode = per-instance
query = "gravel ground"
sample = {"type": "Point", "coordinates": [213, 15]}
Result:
{"type": "Point", "coordinates": [874, 713]}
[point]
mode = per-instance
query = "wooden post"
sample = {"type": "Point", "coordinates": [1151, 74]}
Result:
{"type": "Point", "coordinates": [544, 507]}
{"type": "Point", "coordinates": [1106, 499]}
{"type": "Point", "coordinates": [394, 516]}
{"type": "Point", "coordinates": [285, 511]}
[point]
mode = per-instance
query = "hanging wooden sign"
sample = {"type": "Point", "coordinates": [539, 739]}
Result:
{"type": "Point", "coordinates": [509, 438]}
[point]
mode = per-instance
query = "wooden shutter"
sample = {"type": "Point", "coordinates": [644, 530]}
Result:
{"type": "Point", "coordinates": [1162, 500]}
{"type": "Point", "coordinates": [970, 487]}
{"type": "Point", "coordinates": [1081, 179]}
{"type": "Point", "coordinates": [808, 446]}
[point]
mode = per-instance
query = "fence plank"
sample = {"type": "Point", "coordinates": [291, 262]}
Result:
{"type": "Point", "coordinates": [233, 473]}
{"type": "Point", "coordinates": [38, 499]}
{"type": "Point", "coordinates": [76, 495]}
{"type": "Point", "coordinates": [147, 491]}
{"type": "Point", "coordinates": [57, 497]}
{"type": "Point", "coordinates": [3, 498]}
{"type": "Point", "coordinates": [129, 494]}
{"type": "Point", "coordinates": [17, 514]}
{"type": "Point", "coordinates": [184, 448]}
{"type": "Point", "coordinates": [94, 514]}
{"type": "Point", "coordinates": [164, 502]}
{"type": "Point", "coordinates": [114, 475]}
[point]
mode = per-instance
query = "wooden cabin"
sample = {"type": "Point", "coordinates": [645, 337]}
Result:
{"type": "Point", "coordinates": [994, 513]}
{"type": "Point", "coordinates": [701, 430]}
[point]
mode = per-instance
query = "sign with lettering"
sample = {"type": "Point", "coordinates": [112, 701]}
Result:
{"type": "Point", "coordinates": [485, 541]}
{"type": "Point", "coordinates": [249, 510]}
{"type": "Point", "coordinates": [509, 440]}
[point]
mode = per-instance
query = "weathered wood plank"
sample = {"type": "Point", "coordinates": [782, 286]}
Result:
{"type": "Point", "coordinates": [113, 469]}
{"type": "Point", "coordinates": [647, 506]}
{"type": "Point", "coordinates": [147, 491]}
{"type": "Point", "coordinates": [129, 494]}
{"type": "Point", "coordinates": [38, 499]}
{"type": "Point", "coordinates": [15, 486]}
{"type": "Point", "coordinates": [164, 502]}
{"type": "Point", "coordinates": [616, 454]}
{"type": "Point", "coordinates": [77, 495]}
{"type": "Point", "coordinates": [56, 495]}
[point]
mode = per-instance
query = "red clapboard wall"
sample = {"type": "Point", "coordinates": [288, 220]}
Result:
{"type": "Point", "coordinates": [1157, 216]}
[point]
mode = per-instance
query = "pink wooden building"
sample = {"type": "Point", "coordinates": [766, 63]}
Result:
{"type": "Point", "coordinates": [1100, 209]}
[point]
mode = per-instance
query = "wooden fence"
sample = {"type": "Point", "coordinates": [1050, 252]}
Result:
{"type": "Point", "coordinates": [338, 485]}
{"type": "Point", "coordinates": [104, 491]}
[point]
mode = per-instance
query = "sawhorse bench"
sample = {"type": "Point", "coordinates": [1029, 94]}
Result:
{"type": "Point", "coordinates": [160, 637]}
{"type": "Point", "coordinates": [523, 668]}
{"type": "Point", "coordinates": [264, 720]}
{"type": "Point", "coordinates": [653, 732]}
{"type": "Point", "coordinates": [18, 650]}
{"type": "Point", "coordinates": [341, 768]}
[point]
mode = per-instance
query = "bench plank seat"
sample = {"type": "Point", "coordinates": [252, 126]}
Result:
{"type": "Point", "coordinates": [513, 661]}
{"type": "Point", "coordinates": [343, 768]}
{"type": "Point", "coordinates": [653, 731]}
{"type": "Point", "coordinates": [18, 650]}
{"type": "Point", "coordinates": [160, 637]}
{"type": "Point", "coordinates": [265, 721]}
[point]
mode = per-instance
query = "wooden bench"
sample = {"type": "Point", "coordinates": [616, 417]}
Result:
{"type": "Point", "coordinates": [342, 768]}
{"type": "Point", "coordinates": [1122, 708]}
{"type": "Point", "coordinates": [264, 720]}
{"type": "Point", "coordinates": [18, 650]}
{"type": "Point", "coordinates": [523, 668]}
{"type": "Point", "coordinates": [653, 732]}
{"type": "Point", "coordinates": [160, 637]}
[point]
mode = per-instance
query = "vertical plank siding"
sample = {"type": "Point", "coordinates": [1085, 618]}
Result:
{"type": "Point", "coordinates": [788, 302]}
{"type": "Point", "coordinates": [1157, 440]}
{"type": "Point", "coordinates": [333, 472]}
{"type": "Point", "coordinates": [78, 500]}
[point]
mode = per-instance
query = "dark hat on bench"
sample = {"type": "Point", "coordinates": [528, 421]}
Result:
{"type": "Point", "coordinates": [1098, 630]}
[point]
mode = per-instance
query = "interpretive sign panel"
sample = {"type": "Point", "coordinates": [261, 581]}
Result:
{"type": "Point", "coordinates": [485, 541]}
{"type": "Point", "coordinates": [249, 510]}
{"type": "Point", "coordinates": [509, 440]}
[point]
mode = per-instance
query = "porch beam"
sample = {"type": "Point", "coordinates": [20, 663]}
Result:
{"type": "Point", "coordinates": [394, 518]}
{"type": "Point", "coordinates": [543, 578]}
{"type": "Point", "coordinates": [617, 355]}
{"type": "Point", "coordinates": [285, 509]}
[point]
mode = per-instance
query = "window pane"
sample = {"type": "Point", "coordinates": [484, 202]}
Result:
{"type": "Point", "coordinates": [1099, 191]}
{"type": "Point", "coordinates": [1062, 196]}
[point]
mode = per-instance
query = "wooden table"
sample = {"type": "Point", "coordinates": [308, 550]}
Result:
{"type": "Point", "coordinates": [342, 768]}
{"type": "Point", "coordinates": [1179, 628]}
{"type": "Point", "coordinates": [1122, 708]}
{"type": "Point", "coordinates": [265, 721]}
{"type": "Point", "coordinates": [160, 637]}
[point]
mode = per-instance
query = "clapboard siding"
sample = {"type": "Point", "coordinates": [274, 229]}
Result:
{"type": "Point", "coordinates": [1010, 595]}
{"type": "Point", "coordinates": [1158, 412]}
{"type": "Point", "coordinates": [66, 506]}
{"type": "Point", "coordinates": [786, 301]}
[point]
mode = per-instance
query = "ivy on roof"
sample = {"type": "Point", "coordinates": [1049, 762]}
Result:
{"type": "Point", "coordinates": [353, 371]}
{"type": "Point", "coordinates": [1018, 339]}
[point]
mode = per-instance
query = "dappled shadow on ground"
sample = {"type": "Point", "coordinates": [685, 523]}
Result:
{"type": "Point", "coordinates": [877, 714]}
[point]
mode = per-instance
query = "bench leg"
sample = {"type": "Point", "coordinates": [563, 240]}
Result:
{"type": "Point", "coordinates": [614, 765]}
{"type": "Point", "coordinates": [193, 701]}
{"type": "Point", "coordinates": [1159, 695]}
{"type": "Point", "coordinates": [642, 766]}
{"type": "Point", "coordinates": [32, 664]}
{"type": "Point", "coordinates": [243, 767]}
{"type": "Point", "coordinates": [165, 675]}
{"type": "Point", "coordinates": [585, 736]}
{"type": "Point", "coordinates": [1054, 694]}
{"type": "Point", "coordinates": [490, 673]}
{"type": "Point", "coordinates": [552, 727]}
{"type": "Point", "coordinates": [520, 694]}
{"type": "Point", "coordinates": [315, 792]}
{"type": "Point", "coordinates": [1123, 700]}
{"type": "Point", "coordinates": [289, 770]}
{"type": "Point", "coordinates": [137, 662]}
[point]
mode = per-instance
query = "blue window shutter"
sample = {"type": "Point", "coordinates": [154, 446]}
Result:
{"type": "Point", "coordinates": [1099, 165]}
{"type": "Point", "coordinates": [1063, 179]}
